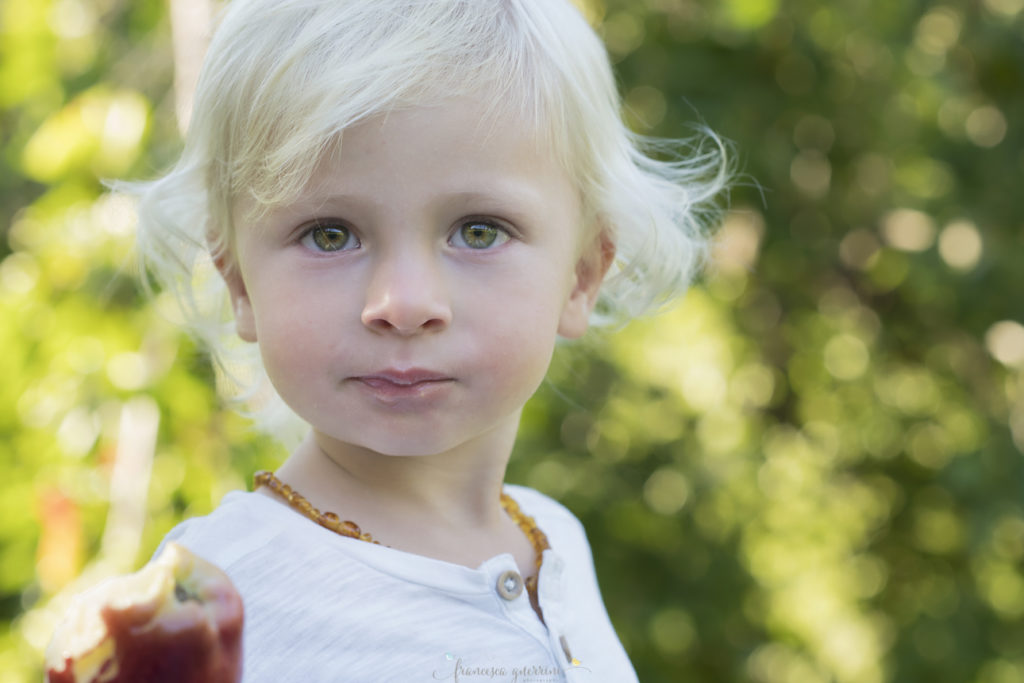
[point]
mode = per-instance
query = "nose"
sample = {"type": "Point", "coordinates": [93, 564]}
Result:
{"type": "Point", "coordinates": [406, 295]}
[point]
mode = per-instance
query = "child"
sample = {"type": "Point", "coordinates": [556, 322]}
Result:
{"type": "Point", "coordinates": [407, 203]}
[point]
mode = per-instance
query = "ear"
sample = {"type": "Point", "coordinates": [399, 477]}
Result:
{"type": "Point", "coordinates": [245, 321]}
{"type": "Point", "coordinates": [590, 271]}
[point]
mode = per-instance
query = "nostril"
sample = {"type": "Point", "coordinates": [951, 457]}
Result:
{"type": "Point", "coordinates": [434, 324]}
{"type": "Point", "coordinates": [406, 320]}
{"type": "Point", "coordinates": [407, 298]}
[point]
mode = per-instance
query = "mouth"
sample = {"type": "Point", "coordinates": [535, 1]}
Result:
{"type": "Point", "coordinates": [403, 378]}
{"type": "Point", "coordinates": [390, 386]}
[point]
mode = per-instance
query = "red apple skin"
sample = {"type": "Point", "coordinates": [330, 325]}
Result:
{"type": "Point", "coordinates": [178, 620]}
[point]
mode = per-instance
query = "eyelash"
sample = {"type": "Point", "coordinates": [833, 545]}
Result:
{"type": "Point", "coordinates": [309, 237]}
{"type": "Point", "coordinates": [502, 235]}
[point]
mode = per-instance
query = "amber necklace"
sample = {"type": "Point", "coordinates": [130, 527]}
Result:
{"type": "Point", "coordinates": [350, 529]}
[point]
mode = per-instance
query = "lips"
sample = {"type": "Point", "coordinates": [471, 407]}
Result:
{"type": "Point", "coordinates": [390, 386]}
{"type": "Point", "coordinates": [404, 378]}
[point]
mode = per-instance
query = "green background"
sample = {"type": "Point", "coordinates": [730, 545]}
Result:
{"type": "Point", "coordinates": [810, 470]}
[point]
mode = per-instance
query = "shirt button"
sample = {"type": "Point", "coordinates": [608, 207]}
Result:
{"type": "Point", "coordinates": [510, 585]}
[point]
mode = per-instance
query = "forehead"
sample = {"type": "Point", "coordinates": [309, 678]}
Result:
{"type": "Point", "coordinates": [432, 160]}
{"type": "Point", "coordinates": [283, 77]}
{"type": "Point", "coordinates": [460, 136]}
{"type": "Point", "coordinates": [460, 149]}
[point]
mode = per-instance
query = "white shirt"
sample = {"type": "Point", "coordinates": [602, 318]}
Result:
{"type": "Point", "coordinates": [322, 607]}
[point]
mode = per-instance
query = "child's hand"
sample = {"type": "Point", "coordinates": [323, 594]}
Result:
{"type": "Point", "coordinates": [177, 619]}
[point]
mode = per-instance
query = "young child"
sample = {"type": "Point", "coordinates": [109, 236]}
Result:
{"type": "Point", "coordinates": [408, 202]}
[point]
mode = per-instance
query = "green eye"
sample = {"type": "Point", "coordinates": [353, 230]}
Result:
{"type": "Point", "coordinates": [480, 235]}
{"type": "Point", "coordinates": [328, 238]}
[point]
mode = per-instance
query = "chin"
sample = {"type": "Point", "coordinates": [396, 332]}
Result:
{"type": "Point", "coordinates": [419, 444]}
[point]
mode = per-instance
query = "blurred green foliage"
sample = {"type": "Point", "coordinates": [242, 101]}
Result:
{"type": "Point", "coordinates": [810, 470]}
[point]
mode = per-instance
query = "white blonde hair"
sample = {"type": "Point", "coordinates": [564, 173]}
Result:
{"type": "Point", "coordinates": [284, 78]}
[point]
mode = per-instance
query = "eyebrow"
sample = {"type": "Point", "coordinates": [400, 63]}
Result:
{"type": "Point", "coordinates": [510, 198]}
{"type": "Point", "coordinates": [510, 195]}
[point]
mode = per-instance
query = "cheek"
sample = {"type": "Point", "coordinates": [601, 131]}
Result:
{"type": "Point", "coordinates": [523, 300]}
{"type": "Point", "coordinates": [288, 328]}
{"type": "Point", "coordinates": [516, 334]}
{"type": "Point", "coordinates": [279, 317]}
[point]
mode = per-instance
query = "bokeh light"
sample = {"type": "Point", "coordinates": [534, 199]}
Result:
{"type": "Point", "coordinates": [807, 470]}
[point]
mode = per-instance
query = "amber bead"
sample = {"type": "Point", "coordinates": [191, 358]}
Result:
{"type": "Point", "coordinates": [350, 528]}
{"type": "Point", "coordinates": [331, 521]}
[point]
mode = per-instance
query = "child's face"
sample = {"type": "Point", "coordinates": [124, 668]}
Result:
{"type": "Point", "coordinates": [408, 302]}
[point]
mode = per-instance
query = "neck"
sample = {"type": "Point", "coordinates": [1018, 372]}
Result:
{"type": "Point", "coordinates": [457, 489]}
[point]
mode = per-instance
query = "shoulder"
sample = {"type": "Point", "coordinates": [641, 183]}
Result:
{"type": "Point", "coordinates": [243, 525]}
{"type": "Point", "coordinates": [557, 522]}
{"type": "Point", "coordinates": [536, 504]}
{"type": "Point", "coordinates": [275, 557]}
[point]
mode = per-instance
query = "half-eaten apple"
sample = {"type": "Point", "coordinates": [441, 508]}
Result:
{"type": "Point", "coordinates": [178, 619]}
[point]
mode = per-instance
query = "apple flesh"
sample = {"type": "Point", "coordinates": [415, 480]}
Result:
{"type": "Point", "coordinates": [178, 619]}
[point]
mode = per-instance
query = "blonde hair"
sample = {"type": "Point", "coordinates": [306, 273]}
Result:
{"type": "Point", "coordinates": [283, 79]}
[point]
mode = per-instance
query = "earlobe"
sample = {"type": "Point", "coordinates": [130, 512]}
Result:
{"type": "Point", "coordinates": [590, 271]}
{"type": "Point", "coordinates": [245, 321]}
